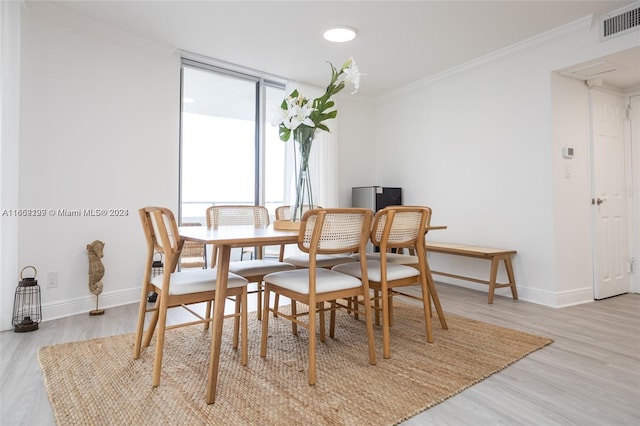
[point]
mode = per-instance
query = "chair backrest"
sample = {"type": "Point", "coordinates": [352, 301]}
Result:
{"type": "Point", "coordinates": [161, 232]}
{"type": "Point", "coordinates": [400, 227]}
{"type": "Point", "coordinates": [237, 215]}
{"type": "Point", "coordinates": [284, 212]}
{"type": "Point", "coordinates": [193, 253]}
{"type": "Point", "coordinates": [335, 230]}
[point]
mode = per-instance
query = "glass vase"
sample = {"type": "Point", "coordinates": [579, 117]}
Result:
{"type": "Point", "coordinates": [303, 140]}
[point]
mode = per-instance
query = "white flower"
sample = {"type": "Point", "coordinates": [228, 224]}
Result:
{"type": "Point", "coordinates": [296, 111]}
{"type": "Point", "coordinates": [279, 115]}
{"type": "Point", "coordinates": [298, 114]}
{"type": "Point", "coordinates": [351, 74]}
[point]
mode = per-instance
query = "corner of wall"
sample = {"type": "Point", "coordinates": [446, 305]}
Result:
{"type": "Point", "coordinates": [9, 154]}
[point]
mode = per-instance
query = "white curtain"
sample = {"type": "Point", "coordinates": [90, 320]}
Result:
{"type": "Point", "coordinates": [323, 162]}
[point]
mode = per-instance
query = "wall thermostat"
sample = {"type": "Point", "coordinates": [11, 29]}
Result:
{"type": "Point", "coordinates": [567, 152]}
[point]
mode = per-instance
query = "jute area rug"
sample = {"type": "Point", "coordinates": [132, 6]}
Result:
{"type": "Point", "coordinates": [97, 382]}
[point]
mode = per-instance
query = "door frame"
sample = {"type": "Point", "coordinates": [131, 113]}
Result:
{"type": "Point", "coordinates": [632, 134]}
{"type": "Point", "coordinates": [631, 215]}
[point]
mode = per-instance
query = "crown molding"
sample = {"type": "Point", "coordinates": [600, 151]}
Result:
{"type": "Point", "coordinates": [535, 42]}
{"type": "Point", "coordinates": [72, 20]}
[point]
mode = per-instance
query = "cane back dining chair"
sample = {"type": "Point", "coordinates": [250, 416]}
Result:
{"type": "Point", "coordinates": [284, 212]}
{"type": "Point", "coordinates": [410, 258]}
{"type": "Point", "coordinates": [255, 269]}
{"type": "Point", "coordinates": [302, 260]}
{"type": "Point", "coordinates": [193, 255]}
{"type": "Point", "coordinates": [396, 227]}
{"type": "Point", "coordinates": [323, 231]}
{"type": "Point", "coordinates": [179, 289]}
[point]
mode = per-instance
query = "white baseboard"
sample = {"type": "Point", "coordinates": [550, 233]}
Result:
{"type": "Point", "coordinates": [82, 305]}
{"type": "Point", "coordinates": [85, 304]}
{"type": "Point", "coordinates": [541, 297]}
{"type": "Point", "coordinates": [560, 299]}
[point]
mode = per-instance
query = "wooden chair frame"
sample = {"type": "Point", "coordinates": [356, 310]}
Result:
{"type": "Point", "coordinates": [249, 215]}
{"type": "Point", "coordinates": [315, 238]}
{"type": "Point", "coordinates": [391, 232]}
{"type": "Point", "coordinates": [162, 236]}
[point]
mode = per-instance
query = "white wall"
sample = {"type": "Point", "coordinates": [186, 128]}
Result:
{"type": "Point", "coordinates": [356, 145]}
{"type": "Point", "coordinates": [572, 190]}
{"type": "Point", "coordinates": [99, 125]}
{"type": "Point", "coordinates": [478, 145]}
{"type": "Point", "coordinates": [471, 153]}
{"type": "Point", "coordinates": [9, 155]}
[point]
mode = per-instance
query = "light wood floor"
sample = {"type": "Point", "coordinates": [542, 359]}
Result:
{"type": "Point", "coordinates": [590, 375]}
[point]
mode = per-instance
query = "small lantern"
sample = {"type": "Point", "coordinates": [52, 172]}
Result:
{"type": "Point", "coordinates": [27, 311]}
{"type": "Point", "coordinates": [157, 268]}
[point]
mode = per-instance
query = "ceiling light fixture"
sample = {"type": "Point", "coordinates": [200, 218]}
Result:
{"type": "Point", "coordinates": [340, 34]}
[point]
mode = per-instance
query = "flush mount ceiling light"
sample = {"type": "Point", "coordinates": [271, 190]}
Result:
{"type": "Point", "coordinates": [340, 34]}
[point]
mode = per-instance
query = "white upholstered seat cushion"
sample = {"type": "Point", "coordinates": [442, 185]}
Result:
{"type": "Point", "coordinates": [254, 267]}
{"type": "Point", "coordinates": [326, 280]}
{"type": "Point", "coordinates": [322, 260]}
{"type": "Point", "coordinates": [401, 259]}
{"type": "Point", "coordinates": [394, 271]}
{"type": "Point", "coordinates": [196, 281]}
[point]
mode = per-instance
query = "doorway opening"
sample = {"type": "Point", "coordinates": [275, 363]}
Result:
{"type": "Point", "coordinates": [611, 88]}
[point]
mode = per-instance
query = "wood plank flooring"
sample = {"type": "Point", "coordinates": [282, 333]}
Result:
{"type": "Point", "coordinates": [590, 375]}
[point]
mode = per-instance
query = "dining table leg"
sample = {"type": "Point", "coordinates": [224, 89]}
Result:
{"type": "Point", "coordinates": [434, 295]}
{"type": "Point", "coordinates": [224, 254]}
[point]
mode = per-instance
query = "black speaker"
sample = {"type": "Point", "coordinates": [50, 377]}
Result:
{"type": "Point", "coordinates": [375, 197]}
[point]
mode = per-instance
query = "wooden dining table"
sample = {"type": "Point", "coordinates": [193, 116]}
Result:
{"type": "Point", "coordinates": [225, 238]}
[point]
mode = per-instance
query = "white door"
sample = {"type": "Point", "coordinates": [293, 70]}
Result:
{"type": "Point", "coordinates": [633, 148]}
{"type": "Point", "coordinates": [611, 259]}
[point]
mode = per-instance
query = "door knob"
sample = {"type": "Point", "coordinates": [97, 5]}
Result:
{"type": "Point", "coordinates": [598, 201]}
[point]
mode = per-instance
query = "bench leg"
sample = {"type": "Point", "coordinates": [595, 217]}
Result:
{"type": "Point", "coordinates": [512, 280]}
{"type": "Point", "coordinates": [495, 261]}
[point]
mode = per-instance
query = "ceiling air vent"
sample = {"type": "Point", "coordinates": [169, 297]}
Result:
{"type": "Point", "coordinates": [620, 22]}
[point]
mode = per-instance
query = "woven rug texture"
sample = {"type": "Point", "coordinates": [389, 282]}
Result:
{"type": "Point", "coordinates": [97, 382]}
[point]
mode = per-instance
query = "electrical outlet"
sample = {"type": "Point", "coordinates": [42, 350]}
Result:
{"type": "Point", "coordinates": [52, 279]}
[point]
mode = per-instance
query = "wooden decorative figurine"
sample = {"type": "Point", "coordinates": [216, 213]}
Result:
{"type": "Point", "coordinates": [96, 272]}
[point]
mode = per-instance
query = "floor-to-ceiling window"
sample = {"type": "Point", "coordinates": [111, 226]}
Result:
{"type": "Point", "coordinates": [229, 153]}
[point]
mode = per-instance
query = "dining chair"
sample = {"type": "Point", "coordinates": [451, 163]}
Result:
{"type": "Point", "coordinates": [282, 213]}
{"type": "Point", "coordinates": [323, 231]}
{"type": "Point", "coordinates": [255, 269]}
{"type": "Point", "coordinates": [179, 289]}
{"type": "Point", "coordinates": [302, 260]}
{"type": "Point", "coordinates": [396, 227]}
{"type": "Point", "coordinates": [193, 254]}
{"type": "Point", "coordinates": [411, 259]}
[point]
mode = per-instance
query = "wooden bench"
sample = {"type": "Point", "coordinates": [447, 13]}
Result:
{"type": "Point", "coordinates": [493, 254]}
